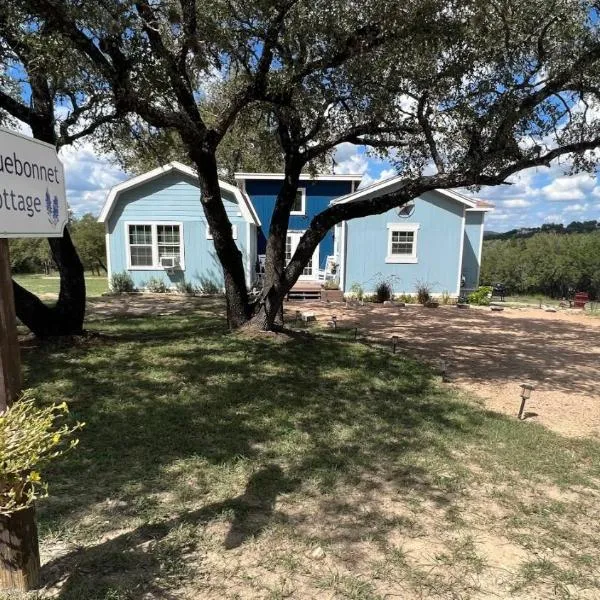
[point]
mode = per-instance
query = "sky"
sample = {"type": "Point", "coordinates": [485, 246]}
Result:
{"type": "Point", "coordinates": [535, 196]}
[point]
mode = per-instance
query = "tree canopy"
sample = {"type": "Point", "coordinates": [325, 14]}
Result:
{"type": "Point", "coordinates": [454, 92]}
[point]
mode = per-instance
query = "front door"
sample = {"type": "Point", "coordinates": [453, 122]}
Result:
{"type": "Point", "coordinates": [311, 271]}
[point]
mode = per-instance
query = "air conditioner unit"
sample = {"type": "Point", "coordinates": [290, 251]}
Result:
{"type": "Point", "coordinates": [169, 262]}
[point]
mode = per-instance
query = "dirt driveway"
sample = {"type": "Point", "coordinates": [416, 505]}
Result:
{"type": "Point", "coordinates": [491, 353]}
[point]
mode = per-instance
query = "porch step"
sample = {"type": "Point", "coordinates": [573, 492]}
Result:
{"type": "Point", "coordinates": [305, 291]}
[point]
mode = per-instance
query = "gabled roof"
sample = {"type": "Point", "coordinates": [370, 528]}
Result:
{"type": "Point", "coordinates": [482, 206]}
{"type": "Point", "coordinates": [242, 199]}
{"type": "Point", "coordinates": [303, 176]}
{"type": "Point", "coordinates": [393, 184]}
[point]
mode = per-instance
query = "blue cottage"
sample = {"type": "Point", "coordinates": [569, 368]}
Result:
{"type": "Point", "coordinates": [156, 229]}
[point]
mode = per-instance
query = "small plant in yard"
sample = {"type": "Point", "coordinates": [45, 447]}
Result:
{"type": "Point", "coordinates": [30, 437]}
{"type": "Point", "coordinates": [407, 298]}
{"type": "Point", "coordinates": [423, 292]}
{"type": "Point", "coordinates": [209, 287]}
{"type": "Point", "coordinates": [186, 288]}
{"type": "Point", "coordinates": [121, 283]}
{"type": "Point", "coordinates": [332, 284]}
{"type": "Point", "coordinates": [481, 296]}
{"type": "Point", "coordinates": [383, 291]}
{"type": "Point", "coordinates": [156, 286]}
{"type": "Point", "coordinates": [446, 298]}
{"type": "Point", "coordinates": [357, 291]}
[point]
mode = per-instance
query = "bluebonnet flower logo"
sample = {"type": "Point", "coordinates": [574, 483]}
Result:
{"type": "Point", "coordinates": [52, 208]}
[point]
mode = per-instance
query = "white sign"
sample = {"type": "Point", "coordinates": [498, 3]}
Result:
{"type": "Point", "coordinates": [33, 200]}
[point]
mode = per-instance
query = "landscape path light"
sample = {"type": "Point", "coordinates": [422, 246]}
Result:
{"type": "Point", "coordinates": [394, 343]}
{"type": "Point", "coordinates": [526, 389]}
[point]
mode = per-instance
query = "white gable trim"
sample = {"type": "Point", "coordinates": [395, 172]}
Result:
{"type": "Point", "coordinates": [243, 201]}
{"type": "Point", "coordinates": [393, 184]}
{"type": "Point", "coordinates": [303, 177]}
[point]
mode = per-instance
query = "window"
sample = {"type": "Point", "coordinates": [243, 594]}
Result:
{"type": "Point", "coordinates": [402, 243]}
{"type": "Point", "coordinates": [149, 242]}
{"type": "Point", "coordinates": [234, 232]}
{"type": "Point", "coordinates": [140, 246]}
{"type": "Point", "coordinates": [299, 206]}
{"type": "Point", "coordinates": [168, 241]}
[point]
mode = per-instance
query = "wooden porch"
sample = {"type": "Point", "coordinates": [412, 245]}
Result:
{"type": "Point", "coordinates": [305, 290]}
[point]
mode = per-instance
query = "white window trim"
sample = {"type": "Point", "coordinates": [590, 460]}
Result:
{"type": "Point", "coordinates": [301, 212]}
{"type": "Point", "coordinates": [156, 264]}
{"type": "Point", "coordinates": [234, 232]}
{"type": "Point", "coordinates": [402, 258]}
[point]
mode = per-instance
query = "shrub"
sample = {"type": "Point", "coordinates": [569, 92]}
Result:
{"type": "Point", "coordinates": [423, 293]}
{"type": "Point", "coordinates": [383, 291]}
{"type": "Point", "coordinates": [446, 298]}
{"type": "Point", "coordinates": [30, 437]}
{"type": "Point", "coordinates": [209, 287]}
{"type": "Point", "coordinates": [407, 299]}
{"type": "Point", "coordinates": [357, 291]}
{"type": "Point", "coordinates": [156, 286]}
{"type": "Point", "coordinates": [121, 283]}
{"type": "Point", "coordinates": [481, 296]}
{"type": "Point", "coordinates": [185, 287]}
{"type": "Point", "coordinates": [332, 284]}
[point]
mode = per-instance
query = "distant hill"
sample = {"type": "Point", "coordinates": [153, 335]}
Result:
{"type": "Point", "coordinates": [525, 232]}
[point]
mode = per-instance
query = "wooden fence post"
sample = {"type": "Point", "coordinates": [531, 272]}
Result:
{"type": "Point", "coordinates": [10, 362]}
{"type": "Point", "coordinates": [19, 550]}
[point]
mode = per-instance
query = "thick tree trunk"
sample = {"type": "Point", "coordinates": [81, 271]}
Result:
{"type": "Point", "coordinates": [67, 315]}
{"type": "Point", "coordinates": [19, 553]}
{"type": "Point", "coordinates": [230, 257]}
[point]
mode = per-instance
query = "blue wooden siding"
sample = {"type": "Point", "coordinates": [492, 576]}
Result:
{"type": "Point", "coordinates": [439, 243]}
{"type": "Point", "coordinates": [471, 250]}
{"type": "Point", "coordinates": [263, 194]}
{"type": "Point", "coordinates": [173, 198]}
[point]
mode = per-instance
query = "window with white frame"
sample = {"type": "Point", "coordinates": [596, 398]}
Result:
{"type": "Point", "coordinates": [402, 243]}
{"type": "Point", "coordinates": [299, 206]}
{"type": "Point", "coordinates": [148, 243]}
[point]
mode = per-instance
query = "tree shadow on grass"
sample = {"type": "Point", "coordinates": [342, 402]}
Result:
{"type": "Point", "coordinates": [172, 403]}
{"type": "Point", "coordinates": [142, 561]}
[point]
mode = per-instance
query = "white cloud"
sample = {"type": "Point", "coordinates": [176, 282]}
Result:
{"type": "Point", "coordinates": [349, 159]}
{"type": "Point", "coordinates": [569, 187]}
{"type": "Point", "coordinates": [553, 218]}
{"type": "Point", "coordinates": [516, 203]}
{"type": "Point", "coordinates": [576, 208]}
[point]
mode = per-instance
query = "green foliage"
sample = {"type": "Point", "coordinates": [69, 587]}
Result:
{"type": "Point", "coordinates": [407, 298]}
{"type": "Point", "coordinates": [423, 292]}
{"type": "Point", "coordinates": [481, 296]}
{"type": "Point", "coordinates": [383, 291]}
{"type": "Point", "coordinates": [209, 287]}
{"type": "Point", "coordinates": [121, 283]}
{"type": "Point", "coordinates": [185, 287]}
{"type": "Point", "coordinates": [30, 437]}
{"type": "Point", "coordinates": [332, 284]}
{"type": "Point", "coordinates": [155, 285]}
{"type": "Point", "coordinates": [446, 298]}
{"type": "Point", "coordinates": [357, 291]}
{"type": "Point", "coordinates": [545, 263]}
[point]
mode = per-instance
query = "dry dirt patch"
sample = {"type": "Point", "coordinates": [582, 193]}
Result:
{"type": "Point", "coordinates": [492, 353]}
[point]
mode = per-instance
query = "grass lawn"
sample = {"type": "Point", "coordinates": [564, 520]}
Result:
{"type": "Point", "coordinates": [215, 466]}
{"type": "Point", "coordinates": [42, 284]}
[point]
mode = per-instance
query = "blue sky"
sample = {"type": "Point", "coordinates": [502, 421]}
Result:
{"type": "Point", "coordinates": [535, 197]}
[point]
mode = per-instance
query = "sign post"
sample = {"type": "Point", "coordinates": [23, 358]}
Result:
{"type": "Point", "coordinates": [33, 203]}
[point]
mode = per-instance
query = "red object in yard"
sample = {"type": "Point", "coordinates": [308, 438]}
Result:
{"type": "Point", "coordinates": [581, 299]}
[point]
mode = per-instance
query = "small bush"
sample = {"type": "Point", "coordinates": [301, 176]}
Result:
{"type": "Point", "coordinates": [446, 298]}
{"type": "Point", "coordinates": [30, 438]}
{"type": "Point", "coordinates": [423, 293]}
{"type": "Point", "coordinates": [121, 283]}
{"type": "Point", "coordinates": [209, 287]}
{"type": "Point", "coordinates": [357, 291]}
{"type": "Point", "coordinates": [332, 284]}
{"type": "Point", "coordinates": [185, 287]}
{"type": "Point", "coordinates": [482, 296]}
{"type": "Point", "coordinates": [407, 298]}
{"type": "Point", "coordinates": [383, 291]}
{"type": "Point", "coordinates": [156, 286]}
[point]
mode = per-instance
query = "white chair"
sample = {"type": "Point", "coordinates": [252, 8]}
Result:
{"type": "Point", "coordinates": [330, 270]}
